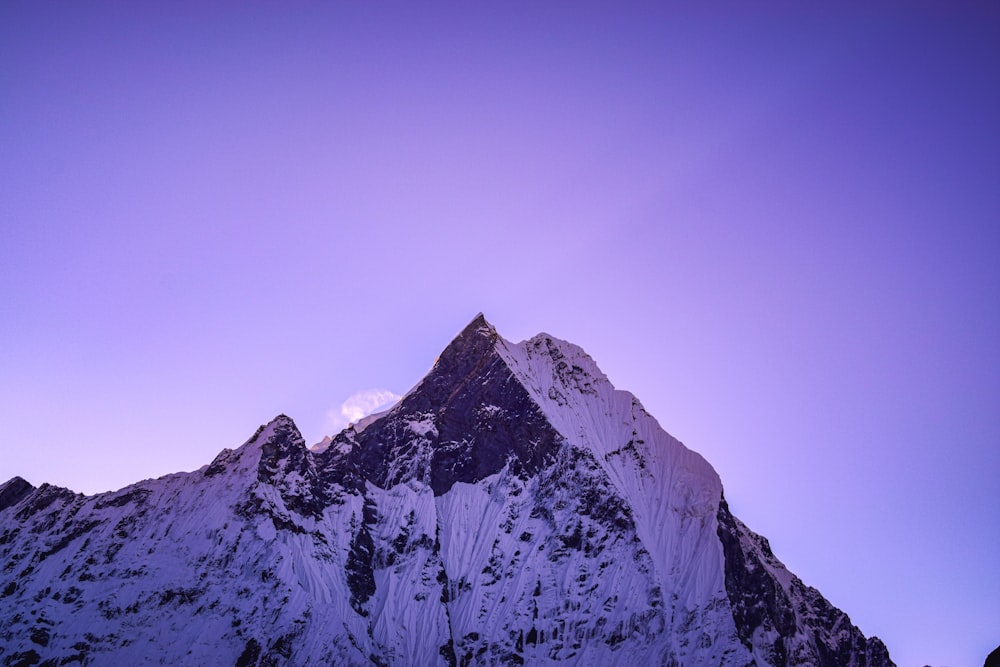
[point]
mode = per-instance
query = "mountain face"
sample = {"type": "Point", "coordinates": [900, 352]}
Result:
{"type": "Point", "coordinates": [513, 508]}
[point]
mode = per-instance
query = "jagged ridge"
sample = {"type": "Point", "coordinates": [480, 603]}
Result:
{"type": "Point", "coordinates": [512, 508]}
{"type": "Point", "coordinates": [465, 421]}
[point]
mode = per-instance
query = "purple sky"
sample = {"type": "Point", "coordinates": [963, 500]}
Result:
{"type": "Point", "coordinates": [779, 228]}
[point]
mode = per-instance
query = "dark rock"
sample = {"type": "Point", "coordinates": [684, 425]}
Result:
{"type": "Point", "coordinates": [250, 654]}
{"type": "Point", "coordinates": [23, 659]}
{"type": "Point", "coordinates": [759, 602]}
{"type": "Point", "coordinates": [14, 491]}
{"type": "Point", "coordinates": [207, 540]}
{"type": "Point", "coordinates": [286, 453]}
{"type": "Point", "coordinates": [359, 566]}
{"type": "Point", "coordinates": [137, 496]}
{"type": "Point", "coordinates": [40, 500]}
{"type": "Point", "coordinates": [993, 659]}
{"type": "Point", "coordinates": [40, 635]}
{"type": "Point", "coordinates": [478, 419]}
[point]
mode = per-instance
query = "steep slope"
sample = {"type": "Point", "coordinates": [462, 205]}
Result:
{"type": "Point", "coordinates": [198, 567]}
{"type": "Point", "coordinates": [781, 619]}
{"type": "Point", "coordinates": [513, 508]}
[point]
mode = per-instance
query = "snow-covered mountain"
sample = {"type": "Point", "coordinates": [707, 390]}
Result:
{"type": "Point", "coordinates": [513, 508]}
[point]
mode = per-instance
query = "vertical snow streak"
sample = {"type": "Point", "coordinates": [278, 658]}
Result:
{"type": "Point", "coordinates": [673, 492]}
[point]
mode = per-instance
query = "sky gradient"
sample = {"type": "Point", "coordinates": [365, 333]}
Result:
{"type": "Point", "coordinates": [776, 224]}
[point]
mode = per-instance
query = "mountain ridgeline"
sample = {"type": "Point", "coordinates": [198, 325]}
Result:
{"type": "Point", "coordinates": [512, 509]}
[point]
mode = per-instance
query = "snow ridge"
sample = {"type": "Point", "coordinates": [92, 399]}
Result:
{"type": "Point", "coordinates": [513, 508]}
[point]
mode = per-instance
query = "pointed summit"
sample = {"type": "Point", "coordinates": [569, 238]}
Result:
{"type": "Point", "coordinates": [512, 508]}
{"type": "Point", "coordinates": [14, 491]}
{"type": "Point", "coordinates": [476, 339]}
{"type": "Point", "coordinates": [478, 322]}
{"type": "Point", "coordinates": [464, 421]}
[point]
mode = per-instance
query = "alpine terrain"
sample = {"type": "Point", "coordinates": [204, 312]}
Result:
{"type": "Point", "coordinates": [513, 508]}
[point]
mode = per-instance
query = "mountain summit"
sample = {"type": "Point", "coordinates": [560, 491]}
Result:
{"type": "Point", "coordinates": [512, 508]}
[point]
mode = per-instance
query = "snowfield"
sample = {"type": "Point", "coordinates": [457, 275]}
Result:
{"type": "Point", "coordinates": [513, 508]}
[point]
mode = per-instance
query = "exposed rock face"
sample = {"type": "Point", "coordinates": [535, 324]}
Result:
{"type": "Point", "coordinates": [14, 491]}
{"type": "Point", "coordinates": [513, 508]}
{"type": "Point", "coordinates": [782, 620]}
{"type": "Point", "coordinates": [993, 659]}
{"type": "Point", "coordinates": [467, 420]}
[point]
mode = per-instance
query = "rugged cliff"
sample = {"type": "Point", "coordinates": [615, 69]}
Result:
{"type": "Point", "coordinates": [513, 508]}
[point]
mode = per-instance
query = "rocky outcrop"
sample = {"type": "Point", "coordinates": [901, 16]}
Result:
{"type": "Point", "coordinates": [14, 491]}
{"type": "Point", "coordinates": [783, 622]}
{"type": "Point", "coordinates": [513, 508]}
{"type": "Point", "coordinates": [465, 421]}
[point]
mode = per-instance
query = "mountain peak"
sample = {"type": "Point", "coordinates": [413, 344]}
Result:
{"type": "Point", "coordinates": [479, 322]}
{"type": "Point", "coordinates": [466, 420]}
{"type": "Point", "coordinates": [477, 337]}
{"type": "Point", "coordinates": [512, 508]}
{"type": "Point", "coordinates": [13, 491]}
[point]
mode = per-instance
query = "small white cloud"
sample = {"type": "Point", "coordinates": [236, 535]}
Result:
{"type": "Point", "coordinates": [359, 405]}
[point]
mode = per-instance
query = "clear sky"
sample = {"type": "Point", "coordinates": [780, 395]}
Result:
{"type": "Point", "coordinates": [777, 225]}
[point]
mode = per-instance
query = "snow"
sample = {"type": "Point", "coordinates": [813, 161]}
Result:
{"type": "Point", "coordinates": [673, 492]}
{"type": "Point", "coordinates": [423, 427]}
{"type": "Point", "coordinates": [366, 421]}
{"type": "Point", "coordinates": [608, 555]}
